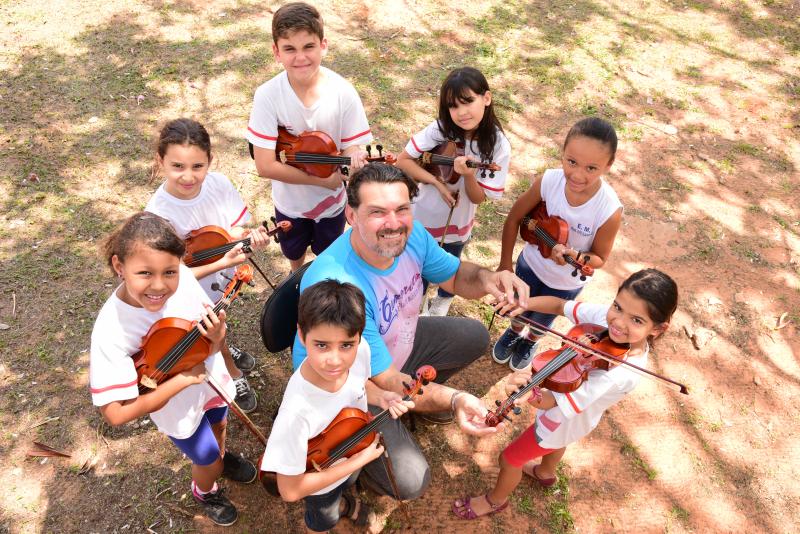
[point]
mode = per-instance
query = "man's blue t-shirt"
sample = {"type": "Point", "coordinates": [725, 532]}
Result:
{"type": "Point", "coordinates": [393, 295]}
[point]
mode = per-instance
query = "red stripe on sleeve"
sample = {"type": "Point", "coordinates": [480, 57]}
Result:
{"type": "Point", "coordinates": [500, 190]}
{"type": "Point", "coordinates": [572, 402]}
{"type": "Point", "coordinates": [262, 136]}
{"type": "Point", "coordinates": [356, 136]}
{"type": "Point", "coordinates": [575, 313]}
{"type": "Point", "coordinates": [117, 386]}
{"type": "Point", "coordinates": [415, 144]}
{"type": "Point", "coordinates": [239, 218]}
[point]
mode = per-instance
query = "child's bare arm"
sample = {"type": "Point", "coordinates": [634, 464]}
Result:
{"type": "Point", "coordinates": [604, 240]}
{"type": "Point", "coordinates": [295, 487]}
{"type": "Point", "coordinates": [387, 400]}
{"type": "Point", "coordinates": [119, 412]}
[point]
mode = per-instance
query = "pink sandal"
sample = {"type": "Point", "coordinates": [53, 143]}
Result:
{"type": "Point", "coordinates": [543, 482]}
{"type": "Point", "coordinates": [463, 509]}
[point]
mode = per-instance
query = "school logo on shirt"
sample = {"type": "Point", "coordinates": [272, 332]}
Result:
{"type": "Point", "coordinates": [583, 230]}
{"type": "Point", "coordinates": [390, 305]}
{"type": "Point", "coordinates": [389, 311]}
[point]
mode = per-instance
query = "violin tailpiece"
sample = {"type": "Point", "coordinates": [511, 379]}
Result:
{"type": "Point", "coordinates": [148, 382]}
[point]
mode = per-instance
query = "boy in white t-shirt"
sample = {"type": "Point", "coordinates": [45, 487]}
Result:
{"type": "Point", "coordinates": [334, 375]}
{"type": "Point", "coordinates": [305, 97]}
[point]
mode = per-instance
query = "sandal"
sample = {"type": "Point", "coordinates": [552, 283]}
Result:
{"type": "Point", "coordinates": [463, 508]}
{"type": "Point", "coordinates": [543, 482]}
{"type": "Point", "coordinates": [355, 509]}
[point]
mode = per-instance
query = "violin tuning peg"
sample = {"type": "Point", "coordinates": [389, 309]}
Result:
{"type": "Point", "coordinates": [491, 174]}
{"type": "Point", "coordinates": [483, 173]}
{"type": "Point", "coordinates": [345, 171]}
{"type": "Point", "coordinates": [517, 410]}
{"type": "Point", "coordinates": [369, 151]}
{"type": "Point", "coordinates": [507, 418]}
{"type": "Point", "coordinates": [274, 220]}
{"type": "Point", "coordinates": [226, 277]}
{"type": "Point", "coordinates": [497, 402]}
{"type": "Point", "coordinates": [575, 272]}
{"type": "Point", "coordinates": [215, 287]}
{"type": "Point", "coordinates": [425, 382]}
{"type": "Point", "coordinates": [583, 278]}
{"type": "Point", "coordinates": [406, 385]}
{"type": "Point", "coordinates": [420, 392]}
{"type": "Point", "coordinates": [380, 150]}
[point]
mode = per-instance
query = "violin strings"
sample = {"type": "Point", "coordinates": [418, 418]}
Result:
{"type": "Point", "coordinates": [216, 251]}
{"type": "Point", "coordinates": [351, 441]}
{"type": "Point", "coordinates": [174, 355]}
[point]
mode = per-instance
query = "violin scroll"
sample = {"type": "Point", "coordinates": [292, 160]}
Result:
{"type": "Point", "coordinates": [424, 375]}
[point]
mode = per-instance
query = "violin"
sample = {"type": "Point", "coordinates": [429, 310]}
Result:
{"type": "Point", "coordinates": [209, 243]}
{"type": "Point", "coordinates": [173, 345]}
{"type": "Point", "coordinates": [439, 162]}
{"type": "Point", "coordinates": [585, 347]}
{"type": "Point", "coordinates": [351, 431]}
{"type": "Point", "coordinates": [546, 231]}
{"type": "Point", "coordinates": [315, 153]}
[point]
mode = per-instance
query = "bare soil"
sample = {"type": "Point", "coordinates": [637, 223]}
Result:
{"type": "Point", "coordinates": [705, 97]}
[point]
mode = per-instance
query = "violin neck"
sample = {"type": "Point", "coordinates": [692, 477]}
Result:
{"type": "Point", "coordinates": [303, 157]}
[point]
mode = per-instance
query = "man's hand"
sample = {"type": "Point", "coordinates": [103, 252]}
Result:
{"type": "Point", "coordinates": [505, 286]}
{"type": "Point", "coordinates": [470, 414]}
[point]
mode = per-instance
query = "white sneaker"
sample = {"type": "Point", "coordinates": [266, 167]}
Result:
{"type": "Point", "coordinates": [439, 306]}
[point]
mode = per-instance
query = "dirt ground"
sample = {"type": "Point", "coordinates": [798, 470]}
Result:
{"type": "Point", "coordinates": [704, 95]}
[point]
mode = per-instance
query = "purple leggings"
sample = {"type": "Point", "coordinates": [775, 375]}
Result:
{"type": "Point", "coordinates": [202, 447]}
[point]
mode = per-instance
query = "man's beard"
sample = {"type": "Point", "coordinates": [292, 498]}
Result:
{"type": "Point", "coordinates": [390, 251]}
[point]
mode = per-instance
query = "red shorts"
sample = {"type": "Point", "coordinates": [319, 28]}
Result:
{"type": "Point", "coordinates": [524, 448]}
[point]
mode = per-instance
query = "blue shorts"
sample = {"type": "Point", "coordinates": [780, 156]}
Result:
{"type": "Point", "coordinates": [307, 232]}
{"type": "Point", "coordinates": [539, 288]}
{"type": "Point", "coordinates": [202, 447]}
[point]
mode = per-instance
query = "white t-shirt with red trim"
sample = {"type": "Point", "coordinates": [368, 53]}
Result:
{"type": "Point", "coordinates": [579, 412]}
{"type": "Point", "coordinates": [431, 210]}
{"type": "Point", "coordinates": [307, 410]}
{"type": "Point", "coordinates": [117, 335]}
{"type": "Point", "coordinates": [338, 112]}
{"type": "Point", "coordinates": [583, 221]}
{"type": "Point", "coordinates": [218, 203]}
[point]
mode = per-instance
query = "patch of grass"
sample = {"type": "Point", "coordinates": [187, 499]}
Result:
{"type": "Point", "coordinates": [524, 504]}
{"type": "Point", "coordinates": [746, 149]}
{"type": "Point", "coordinates": [560, 519]}
{"type": "Point", "coordinates": [679, 513]}
{"type": "Point", "coordinates": [586, 107]}
{"type": "Point", "coordinates": [630, 450]}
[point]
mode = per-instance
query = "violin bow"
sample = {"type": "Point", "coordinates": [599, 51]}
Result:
{"type": "Point", "coordinates": [541, 329]}
{"type": "Point", "coordinates": [211, 381]}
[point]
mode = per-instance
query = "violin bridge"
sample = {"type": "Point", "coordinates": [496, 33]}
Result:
{"type": "Point", "coordinates": [426, 158]}
{"type": "Point", "coordinates": [315, 465]}
{"type": "Point", "coordinates": [282, 156]}
{"type": "Point", "coordinates": [148, 382]}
